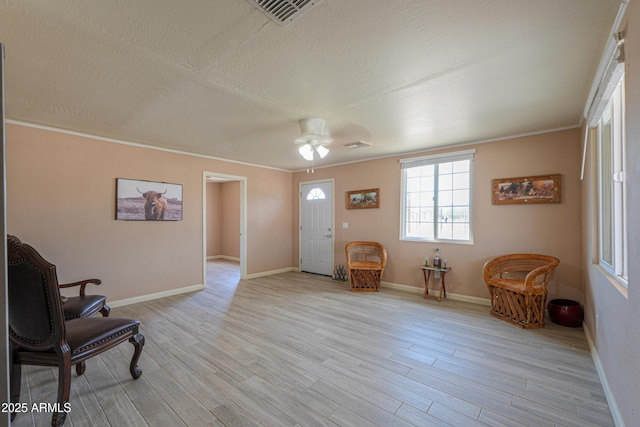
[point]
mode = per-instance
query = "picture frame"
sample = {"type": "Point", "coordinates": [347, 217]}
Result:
{"type": "Point", "coordinates": [140, 200]}
{"type": "Point", "coordinates": [363, 199]}
{"type": "Point", "coordinates": [526, 190]}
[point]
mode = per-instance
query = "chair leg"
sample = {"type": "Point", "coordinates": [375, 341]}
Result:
{"type": "Point", "coordinates": [138, 342]}
{"type": "Point", "coordinates": [15, 383]}
{"type": "Point", "coordinates": [105, 310]}
{"type": "Point", "coordinates": [80, 368]}
{"type": "Point", "coordinates": [64, 388]}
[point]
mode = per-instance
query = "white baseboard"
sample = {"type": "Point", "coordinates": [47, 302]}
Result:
{"type": "Point", "coordinates": [192, 288]}
{"type": "Point", "coordinates": [611, 400]}
{"type": "Point", "coordinates": [228, 258]}
{"type": "Point", "coordinates": [149, 297]}
{"type": "Point", "coordinates": [467, 298]}
{"type": "Point", "coordinates": [455, 297]}
{"type": "Point", "coordinates": [271, 272]}
{"type": "Point", "coordinates": [400, 287]}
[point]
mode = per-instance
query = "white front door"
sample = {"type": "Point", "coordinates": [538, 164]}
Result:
{"type": "Point", "coordinates": [316, 228]}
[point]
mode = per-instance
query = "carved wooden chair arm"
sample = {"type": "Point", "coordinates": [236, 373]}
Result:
{"type": "Point", "coordinates": [539, 276]}
{"type": "Point", "coordinates": [494, 267]}
{"type": "Point", "coordinates": [83, 284]}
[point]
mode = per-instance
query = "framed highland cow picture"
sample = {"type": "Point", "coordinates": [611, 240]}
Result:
{"type": "Point", "coordinates": [139, 200]}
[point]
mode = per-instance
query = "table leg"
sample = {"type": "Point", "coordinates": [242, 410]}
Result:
{"type": "Point", "coordinates": [442, 287]}
{"type": "Point", "coordinates": [426, 274]}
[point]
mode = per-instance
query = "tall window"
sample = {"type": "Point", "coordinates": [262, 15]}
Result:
{"type": "Point", "coordinates": [612, 186]}
{"type": "Point", "coordinates": [436, 197]}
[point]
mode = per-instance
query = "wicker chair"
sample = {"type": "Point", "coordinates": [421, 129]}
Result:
{"type": "Point", "coordinates": [518, 287]}
{"type": "Point", "coordinates": [366, 262]}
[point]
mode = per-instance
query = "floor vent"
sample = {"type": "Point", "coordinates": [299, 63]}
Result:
{"type": "Point", "coordinates": [283, 11]}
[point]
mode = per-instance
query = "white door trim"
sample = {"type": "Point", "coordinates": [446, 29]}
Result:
{"type": "Point", "coordinates": [333, 217]}
{"type": "Point", "coordinates": [243, 221]}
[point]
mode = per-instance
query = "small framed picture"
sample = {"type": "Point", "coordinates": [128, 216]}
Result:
{"type": "Point", "coordinates": [363, 199]}
{"type": "Point", "coordinates": [526, 190]}
{"type": "Point", "coordinates": [138, 200]}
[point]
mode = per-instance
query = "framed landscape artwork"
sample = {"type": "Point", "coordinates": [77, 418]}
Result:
{"type": "Point", "coordinates": [138, 200]}
{"type": "Point", "coordinates": [363, 199]}
{"type": "Point", "coordinates": [526, 190]}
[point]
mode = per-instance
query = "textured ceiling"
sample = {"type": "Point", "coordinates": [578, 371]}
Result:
{"type": "Point", "coordinates": [217, 77]}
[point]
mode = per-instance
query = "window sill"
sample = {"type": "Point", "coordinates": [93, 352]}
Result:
{"type": "Point", "coordinates": [454, 242]}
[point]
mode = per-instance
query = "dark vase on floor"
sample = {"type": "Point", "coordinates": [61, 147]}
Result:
{"type": "Point", "coordinates": [566, 312]}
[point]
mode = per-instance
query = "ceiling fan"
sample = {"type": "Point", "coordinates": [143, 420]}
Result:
{"type": "Point", "coordinates": [314, 139]}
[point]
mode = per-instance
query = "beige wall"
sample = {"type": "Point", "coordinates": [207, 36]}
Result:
{"type": "Point", "coordinates": [615, 333]}
{"type": "Point", "coordinates": [61, 199]}
{"type": "Point", "coordinates": [552, 229]}
{"type": "Point", "coordinates": [214, 219]}
{"type": "Point", "coordinates": [223, 219]}
{"type": "Point", "coordinates": [231, 219]}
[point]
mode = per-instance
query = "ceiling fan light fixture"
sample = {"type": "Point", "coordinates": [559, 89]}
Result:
{"type": "Point", "coordinates": [322, 151]}
{"type": "Point", "coordinates": [314, 139]}
{"type": "Point", "coordinates": [306, 151]}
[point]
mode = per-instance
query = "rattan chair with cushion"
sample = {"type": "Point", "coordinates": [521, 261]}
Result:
{"type": "Point", "coordinates": [366, 262]}
{"type": "Point", "coordinates": [517, 287]}
{"type": "Point", "coordinates": [39, 333]}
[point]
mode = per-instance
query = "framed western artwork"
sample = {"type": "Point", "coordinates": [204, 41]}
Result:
{"type": "Point", "coordinates": [363, 199]}
{"type": "Point", "coordinates": [526, 190]}
{"type": "Point", "coordinates": [139, 200]}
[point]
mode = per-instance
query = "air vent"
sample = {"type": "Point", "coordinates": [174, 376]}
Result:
{"type": "Point", "coordinates": [283, 11]}
{"type": "Point", "coordinates": [357, 144]}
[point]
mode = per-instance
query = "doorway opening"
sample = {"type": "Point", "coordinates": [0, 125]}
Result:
{"type": "Point", "coordinates": [223, 274]}
{"type": "Point", "coordinates": [224, 220]}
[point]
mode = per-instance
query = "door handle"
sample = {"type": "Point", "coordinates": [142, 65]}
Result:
{"type": "Point", "coordinates": [328, 235]}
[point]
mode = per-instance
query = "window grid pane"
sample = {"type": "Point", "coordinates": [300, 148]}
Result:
{"type": "Point", "coordinates": [437, 201]}
{"type": "Point", "coordinates": [612, 187]}
{"type": "Point", "coordinates": [454, 200]}
{"type": "Point", "coordinates": [606, 205]}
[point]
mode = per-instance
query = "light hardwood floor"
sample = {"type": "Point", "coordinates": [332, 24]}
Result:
{"type": "Point", "coordinates": [296, 349]}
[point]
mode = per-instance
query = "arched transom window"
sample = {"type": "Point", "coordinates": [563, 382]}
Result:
{"type": "Point", "coordinates": [316, 194]}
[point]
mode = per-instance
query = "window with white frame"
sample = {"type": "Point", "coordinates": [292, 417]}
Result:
{"type": "Point", "coordinates": [436, 197]}
{"type": "Point", "coordinates": [612, 187]}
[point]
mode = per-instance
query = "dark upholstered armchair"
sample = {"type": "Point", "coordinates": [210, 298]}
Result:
{"type": "Point", "coordinates": [39, 333]}
{"type": "Point", "coordinates": [84, 305]}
